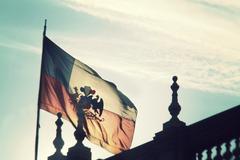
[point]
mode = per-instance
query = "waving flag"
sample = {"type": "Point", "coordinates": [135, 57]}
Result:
{"type": "Point", "coordinates": [110, 119]}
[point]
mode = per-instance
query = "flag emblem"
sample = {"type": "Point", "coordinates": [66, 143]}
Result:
{"type": "Point", "coordinates": [91, 104]}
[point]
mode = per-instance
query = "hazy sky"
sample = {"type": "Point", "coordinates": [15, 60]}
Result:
{"type": "Point", "coordinates": [138, 44]}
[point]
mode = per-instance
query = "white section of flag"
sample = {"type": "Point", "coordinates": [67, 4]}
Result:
{"type": "Point", "coordinates": [114, 100]}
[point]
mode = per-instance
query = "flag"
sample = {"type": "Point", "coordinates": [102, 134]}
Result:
{"type": "Point", "coordinates": [109, 120]}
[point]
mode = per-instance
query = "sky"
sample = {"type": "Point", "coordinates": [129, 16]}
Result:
{"type": "Point", "coordinates": [138, 44]}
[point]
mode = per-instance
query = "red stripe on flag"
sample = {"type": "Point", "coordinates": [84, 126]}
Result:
{"type": "Point", "coordinates": [55, 98]}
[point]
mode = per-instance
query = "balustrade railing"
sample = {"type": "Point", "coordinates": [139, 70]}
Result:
{"type": "Point", "coordinates": [220, 140]}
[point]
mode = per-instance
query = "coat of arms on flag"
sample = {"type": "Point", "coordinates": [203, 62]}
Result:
{"type": "Point", "coordinates": [67, 84]}
{"type": "Point", "coordinates": [92, 107]}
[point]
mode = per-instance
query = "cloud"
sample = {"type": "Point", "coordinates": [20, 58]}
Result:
{"type": "Point", "coordinates": [21, 46]}
{"type": "Point", "coordinates": [230, 6]}
{"type": "Point", "coordinates": [228, 9]}
{"type": "Point", "coordinates": [160, 38]}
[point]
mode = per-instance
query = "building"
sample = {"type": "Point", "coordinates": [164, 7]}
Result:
{"type": "Point", "coordinates": [214, 138]}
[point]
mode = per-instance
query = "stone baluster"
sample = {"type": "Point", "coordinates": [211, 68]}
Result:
{"type": "Point", "coordinates": [79, 151]}
{"type": "Point", "coordinates": [218, 153]}
{"type": "Point", "coordinates": [58, 141]}
{"type": "Point", "coordinates": [228, 154]}
{"type": "Point", "coordinates": [199, 156]}
{"type": "Point", "coordinates": [174, 109]}
{"type": "Point", "coordinates": [209, 153]}
{"type": "Point", "coordinates": [236, 151]}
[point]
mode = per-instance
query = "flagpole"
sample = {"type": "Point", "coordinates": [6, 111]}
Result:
{"type": "Point", "coordinates": [38, 106]}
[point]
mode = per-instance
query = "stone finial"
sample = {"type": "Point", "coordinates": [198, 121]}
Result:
{"type": "Point", "coordinates": [58, 141]}
{"type": "Point", "coordinates": [174, 108]}
{"type": "Point", "coordinates": [79, 151]}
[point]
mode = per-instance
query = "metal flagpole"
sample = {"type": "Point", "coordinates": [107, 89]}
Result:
{"type": "Point", "coordinates": [38, 107]}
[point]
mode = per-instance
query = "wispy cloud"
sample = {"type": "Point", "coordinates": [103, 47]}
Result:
{"type": "Point", "coordinates": [21, 46]}
{"type": "Point", "coordinates": [228, 9]}
{"type": "Point", "coordinates": [162, 38]}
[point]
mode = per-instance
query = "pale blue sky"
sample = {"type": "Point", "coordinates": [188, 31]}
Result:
{"type": "Point", "coordinates": [137, 44]}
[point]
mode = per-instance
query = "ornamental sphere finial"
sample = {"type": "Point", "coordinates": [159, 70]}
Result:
{"type": "Point", "coordinates": [59, 115]}
{"type": "Point", "coordinates": [174, 78]}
